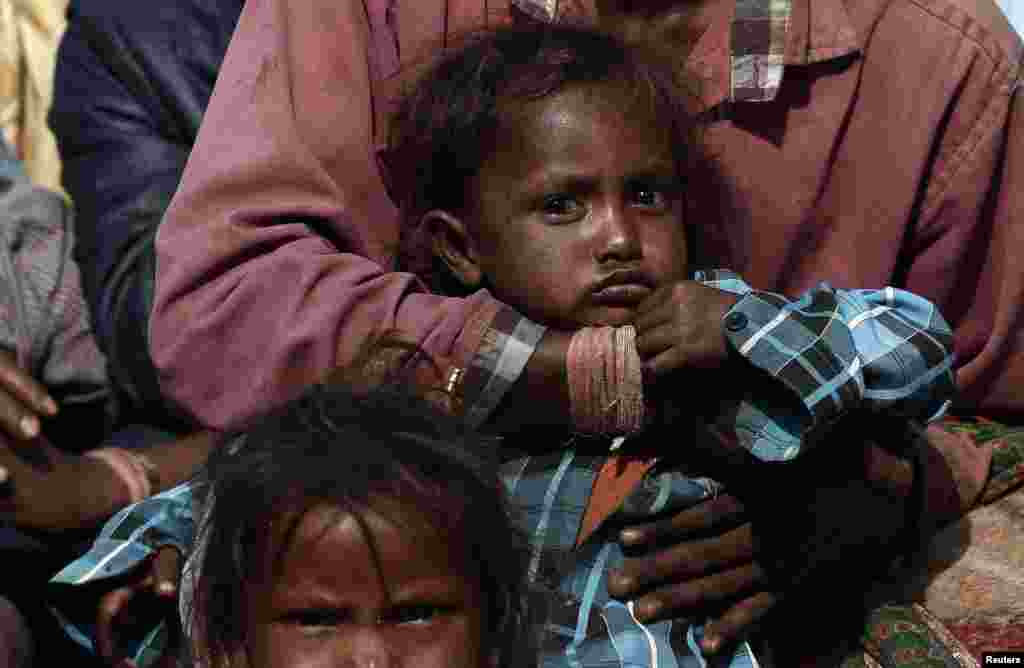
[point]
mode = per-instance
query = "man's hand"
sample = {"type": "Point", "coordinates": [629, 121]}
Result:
{"type": "Point", "coordinates": [708, 561]}
{"type": "Point", "coordinates": [957, 470]}
{"type": "Point", "coordinates": [151, 596]}
{"type": "Point", "coordinates": [680, 326]}
{"type": "Point", "coordinates": [23, 401]}
{"type": "Point", "coordinates": [69, 492]}
{"type": "Point", "coordinates": [699, 562]}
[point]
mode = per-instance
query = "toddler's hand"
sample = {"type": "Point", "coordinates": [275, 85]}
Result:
{"type": "Point", "coordinates": [680, 326]}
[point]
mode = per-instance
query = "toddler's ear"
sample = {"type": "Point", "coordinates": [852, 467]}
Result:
{"type": "Point", "coordinates": [452, 244]}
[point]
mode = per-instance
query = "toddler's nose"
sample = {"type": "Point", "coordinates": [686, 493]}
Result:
{"type": "Point", "coordinates": [618, 237]}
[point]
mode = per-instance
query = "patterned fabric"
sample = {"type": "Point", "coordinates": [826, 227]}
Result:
{"type": "Point", "coordinates": [43, 316]}
{"type": "Point", "coordinates": [758, 42]}
{"type": "Point", "coordinates": [969, 577]}
{"type": "Point", "coordinates": [128, 539]}
{"type": "Point", "coordinates": [881, 350]}
{"type": "Point", "coordinates": [30, 31]}
{"type": "Point", "coordinates": [909, 635]}
{"type": "Point", "coordinates": [1007, 473]}
{"type": "Point", "coordinates": [505, 348]}
{"type": "Point", "coordinates": [586, 627]}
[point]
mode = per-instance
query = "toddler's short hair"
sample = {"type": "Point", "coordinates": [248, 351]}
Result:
{"type": "Point", "coordinates": [443, 129]}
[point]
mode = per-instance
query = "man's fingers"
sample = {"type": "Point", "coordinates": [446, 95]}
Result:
{"type": "Point", "coordinates": [166, 572]}
{"type": "Point", "coordinates": [24, 387]}
{"type": "Point", "coordinates": [110, 606]}
{"type": "Point", "coordinates": [722, 512]}
{"type": "Point", "coordinates": [16, 419]}
{"type": "Point", "coordinates": [683, 599]}
{"type": "Point", "coordinates": [682, 562]}
{"type": "Point", "coordinates": [737, 622]}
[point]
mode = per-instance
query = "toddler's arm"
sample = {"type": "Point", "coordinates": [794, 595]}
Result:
{"type": "Point", "coordinates": [835, 351]}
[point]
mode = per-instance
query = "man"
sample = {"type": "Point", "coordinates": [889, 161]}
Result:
{"type": "Point", "coordinates": [284, 195]}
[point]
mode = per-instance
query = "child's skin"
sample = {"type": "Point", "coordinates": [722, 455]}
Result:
{"type": "Point", "coordinates": [582, 190]}
{"type": "Point", "coordinates": [335, 600]}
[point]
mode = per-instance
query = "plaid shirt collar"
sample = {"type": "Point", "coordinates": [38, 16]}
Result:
{"type": "Point", "coordinates": [765, 36]}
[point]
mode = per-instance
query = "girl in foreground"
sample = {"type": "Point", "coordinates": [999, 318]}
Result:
{"type": "Point", "coordinates": [363, 531]}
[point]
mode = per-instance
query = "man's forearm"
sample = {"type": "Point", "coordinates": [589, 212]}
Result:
{"type": "Point", "coordinates": [176, 461]}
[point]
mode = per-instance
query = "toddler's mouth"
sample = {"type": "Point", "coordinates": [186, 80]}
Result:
{"type": "Point", "coordinates": [623, 288]}
{"type": "Point", "coordinates": [627, 294]}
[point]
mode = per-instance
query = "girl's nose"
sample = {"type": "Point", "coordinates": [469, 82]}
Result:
{"type": "Point", "coordinates": [367, 648]}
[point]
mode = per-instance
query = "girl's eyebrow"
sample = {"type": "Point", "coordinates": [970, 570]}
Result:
{"type": "Point", "coordinates": [428, 587]}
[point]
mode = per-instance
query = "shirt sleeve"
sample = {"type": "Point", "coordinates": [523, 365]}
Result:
{"type": "Point", "coordinates": [45, 322]}
{"type": "Point", "coordinates": [834, 351]}
{"type": "Point", "coordinates": [125, 542]}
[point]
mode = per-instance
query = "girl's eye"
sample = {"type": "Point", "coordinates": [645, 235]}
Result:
{"type": "Point", "coordinates": [316, 620]}
{"type": "Point", "coordinates": [414, 614]}
{"type": "Point", "coordinates": [561, 205]}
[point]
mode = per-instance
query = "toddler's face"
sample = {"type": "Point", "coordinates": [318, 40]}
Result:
{"type": "Point", "coordinates": [337, 602]}
{"type": "Point", "coordinates": [579, 211]}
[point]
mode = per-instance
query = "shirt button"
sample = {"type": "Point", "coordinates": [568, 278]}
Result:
{"type": "Point", "coordinates": [735, 322]}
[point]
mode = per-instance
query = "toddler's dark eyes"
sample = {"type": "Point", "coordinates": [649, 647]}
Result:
{"type": "Point", "coordinates": [560, 205]}
{"type": "Point", "coordinates": [650, 196]}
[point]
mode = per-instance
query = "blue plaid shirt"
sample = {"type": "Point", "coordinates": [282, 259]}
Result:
{"type": "Point", "coordinates": [835, 350]}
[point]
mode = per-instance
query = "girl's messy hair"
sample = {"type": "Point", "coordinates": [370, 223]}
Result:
{"type": "Point", "coordinates": [359, 447]}
{"type": "Point", "coordinates": [444, 128]}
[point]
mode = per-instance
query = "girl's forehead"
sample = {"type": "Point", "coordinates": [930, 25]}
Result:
{"type": "Point", "coordinates": [368, 555]}
{"type": "Point", "coordinates": [385, 527]}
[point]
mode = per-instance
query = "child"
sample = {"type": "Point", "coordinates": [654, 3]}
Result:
{"type": "Point", "coordinates": [562, 171]}
{"type": "Point", "coordinates": [358, 529]}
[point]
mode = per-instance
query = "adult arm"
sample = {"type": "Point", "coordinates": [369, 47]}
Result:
{"type": "Point", "coordinates": [283, 195]}
{"type": "Point", "coordinates": [968, 238]}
